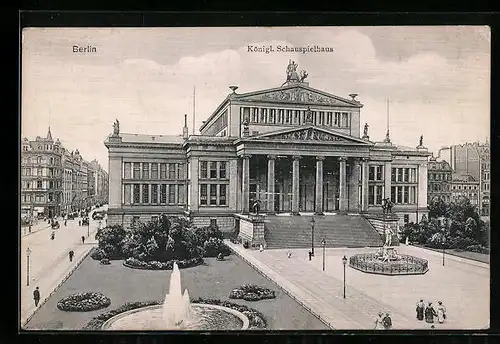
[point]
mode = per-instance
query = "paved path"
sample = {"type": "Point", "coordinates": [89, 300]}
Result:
{"type": "Point", "coordinates": [49, 261]}
{"type": "Point", "coordinates": [463, 286]}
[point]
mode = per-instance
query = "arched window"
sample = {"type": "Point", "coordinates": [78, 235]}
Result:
{"type": "Point", "coordinates": [39, 160]}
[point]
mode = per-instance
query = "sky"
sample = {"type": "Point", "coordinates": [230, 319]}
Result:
{"type": "Point", "coordinates": [437, 78]}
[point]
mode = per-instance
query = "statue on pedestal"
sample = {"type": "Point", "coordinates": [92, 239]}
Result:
{"type": "Point", "coordinates": [365, 130]}
{"type": "Point", "coordinates": [116, 128]}
{"type": "Point", "coordinates": [388, 237]}
{"type": "Point", "coordinates": [421, 141]}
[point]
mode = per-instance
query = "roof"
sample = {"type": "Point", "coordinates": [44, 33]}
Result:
{"type": "Point", "coordinates": [465, 178]}
{"type": "Point", "coordinates": [142, 138]}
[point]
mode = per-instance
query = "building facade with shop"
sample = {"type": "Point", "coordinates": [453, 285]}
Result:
{"type": "Point", "coordinates": [465, 186]}
{"type": "Point", "coordinates": [439, 180]}
{"type": "Point", "coordinates": [294, 149]}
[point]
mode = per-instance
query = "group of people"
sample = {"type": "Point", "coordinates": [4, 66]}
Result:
{"type": "Point", "coordinates": [383, 321]}
{"type": "Point", "coordinates": [428, 312]}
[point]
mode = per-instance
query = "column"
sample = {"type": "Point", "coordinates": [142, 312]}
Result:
{"type": "Point", "coordinates": [295, 185]}
{"type": "Point", "coordinates": [270, 183]}
{"type": "Point", "coordinates": [233, 190]}
{"type": "Point", "coordinates": [319, 185]}
{"type": "Point", "coordinates": [245, 184]}
{"type": "Point", "coordinates": [387, 179]}
{"type": "Point", "coordinates": [364, 185]}
{"type": "Point", "coordinates": [140, 194]}
{"type": "Point", "coordinates": [354, 204]}
{"type": "Point", "coordinates": [194, 197]}
{"type": "Point", "coordinates": [342, 184]}
{"type": "Point", "coordinates": [150, 186]}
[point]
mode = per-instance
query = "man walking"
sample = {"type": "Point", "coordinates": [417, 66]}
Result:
{"type": "Point", "coordinates": [83, 239]}
{"type": "Point", "coordinates": [420, 310]}
{"type": "Point", "coordinates": [387, 322]}
{"type": "Point", "coordinates": [71, 254]}
{"type": "Point", "coordinates": [36, 296]}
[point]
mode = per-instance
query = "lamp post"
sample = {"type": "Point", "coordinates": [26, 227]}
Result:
{"type": "Point", "coordinates": [323, 242]}
{"type": "Point", "coordinates": [28, 253]}
{"type": "Point", "coordinates": [344, 261]}
{"type": "Point", "coordinates": [312, 236]}
{"type": "Point", "coordinates": [442, 244]}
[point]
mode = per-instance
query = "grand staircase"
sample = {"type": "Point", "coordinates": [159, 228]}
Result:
{"type": "Point", "coordinates": [337, 230]}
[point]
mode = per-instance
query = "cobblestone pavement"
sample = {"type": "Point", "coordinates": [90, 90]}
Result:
{"type": "Point", "coordinates": [49, 261]}
{"type": "Point", "coordinates": [462, 285]}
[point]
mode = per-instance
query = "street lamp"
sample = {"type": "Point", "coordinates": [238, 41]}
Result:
{"type": "Point", "coordinates": [28, 253]}
{"type": "Point", "coordinates": [323, 242]}
{"type": "Point", "coordinates": [344, 261]}
{"type": "Point", "coordinates": [442, 244]}
{"type": "Point", "coordinates": [312, 236]}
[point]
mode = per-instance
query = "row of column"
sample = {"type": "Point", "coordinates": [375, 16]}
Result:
{"type": "Point", "coordinates": [343, 196]}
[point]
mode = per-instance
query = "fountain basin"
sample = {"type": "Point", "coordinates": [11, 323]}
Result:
{"type": "Point", "coordinates": [403, 265]}
{"type": "Point", "coordinates": [205, 317]}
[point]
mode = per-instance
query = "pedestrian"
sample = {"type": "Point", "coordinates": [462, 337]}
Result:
{"type": "Point", "coordinates": [378, 322]}
{"type": "Point", "coordinates": [289, 254]}
{"type": "Point", "coordinates": [71, 254]}
{"type": "Point", "coordinates": [79, 222]}
{"type": "Point", "coordinates": [441, 312]}
{"type": "Point", "coordinates": [36, 296]}
{"type": "Point", "coordinates": [261, 248]}
{"type": "Point", "coordinates": [65, 222]}
{"type": "Point", "coordinates": [83, 239]}
{"type": "Point", "coordinates": [420, 310]}
{"type": "Point", "coordinates": [52, 235]}
{"type": "Point", "coordinates": [429, 313]}
{"type": "Point", "coordinates": [310, 255]}
{"type": "Point", "coordinates": [387, 322]}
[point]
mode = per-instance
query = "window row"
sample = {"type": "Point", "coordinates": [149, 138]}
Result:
{"type": "Point", "coordinates": [40, 184]}
{"type": "Point", "coordinates": [439, 176]}
{"type": "Point", "coordinates": [469, 195]}
{"type": "Point", "coordinates": [404, 174]}
{"type": "Point", "coordinates": [153, 170]}
{"type": "Point", "coordinates": [404, 194]}
{"type": "Point", "coordinates": [464, 187]}
{"type": "Point", "coordinates": [284, 116]}
{"type": "Point", "coordinates": [154, 193]}
{"type": "Point", "coordinates": [33, 198]}
{"type": "Point", "coordinates": [217, 126]}
{"type": "Point", "coordinates": [213, 194]}
{"type": "Point", "coordinates": [41, 160]}
{"type": "Point", "coordinates": [439, 187]}
{"type": "Point", "coordinates": [213, 170]}
{"type": "Point", "coordinates": [50, 172]}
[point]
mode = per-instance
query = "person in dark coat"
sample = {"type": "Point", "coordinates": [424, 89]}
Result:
{"type": "Point", "coordinates": [420, 310]}
{"type": "Point", "coordinates": [71, 254]}
{"type": "Point", "coordinates": [430, 313]}
{"type": "Point", "coordinates": [83, 239]}
{"type": "Point", "coordinates": [36, 296]}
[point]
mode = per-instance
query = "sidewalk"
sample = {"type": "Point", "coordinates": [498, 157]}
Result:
{"type": "Point", "coordinates": [41, 225]}
{"type": "Point", "coordinates": [53, 276]}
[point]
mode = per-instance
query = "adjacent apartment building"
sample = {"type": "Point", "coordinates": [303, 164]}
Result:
{"type": "Point", "coordinates": [439, 180]}
{"type": "Point", "coordinates": [55, 181]}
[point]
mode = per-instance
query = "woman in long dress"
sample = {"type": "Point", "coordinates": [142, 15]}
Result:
{"type": "Point", "coordinates": [420, 310]}
{"type": "Point", "coordinates": [441, 312]}
{"type": "Point", "coordinates": [430, 313]}
{"type": "Point", "coordinates": [378, 322]}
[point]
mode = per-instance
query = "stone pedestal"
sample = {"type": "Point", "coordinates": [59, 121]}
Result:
{"type": "Point", "coordinates": [252, 229]}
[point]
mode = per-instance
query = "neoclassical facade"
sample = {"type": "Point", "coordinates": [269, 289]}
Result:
{"type": "Point", "coordinates": [294, 148]}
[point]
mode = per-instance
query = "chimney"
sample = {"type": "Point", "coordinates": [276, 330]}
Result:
{"type": "Point", "coordinates": [185, 128]}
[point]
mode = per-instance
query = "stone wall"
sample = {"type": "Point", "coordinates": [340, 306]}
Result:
{"type": "Point", "coordinates": [225, 223]}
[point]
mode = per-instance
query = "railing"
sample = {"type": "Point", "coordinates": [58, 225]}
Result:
{"type": "Point", "coordinates": [404, 265]}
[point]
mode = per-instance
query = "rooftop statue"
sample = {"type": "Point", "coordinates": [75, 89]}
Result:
{"type": "Point", "coordinates": [116, 128]}
{"type": "Point", "coordinates": [365, 131]}
{"type": "Point", "coordinates": [421, 142]}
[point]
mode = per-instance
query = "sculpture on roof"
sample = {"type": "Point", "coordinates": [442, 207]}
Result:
{"type": "Point", "coordinates": [303, 76]}
{"type": "Point", "coordinates": [116, 128]}
{"type": "Point", "coordinates": [365, 130]}
{"type": "Point", "coordinates": [291, 69]}
{"type": "Point", "coordinates": [421, 141]}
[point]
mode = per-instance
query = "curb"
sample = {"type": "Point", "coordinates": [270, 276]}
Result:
{"type": "Point", "coordinates": [44, 300]}
{"type": "Point", "coordinates": [324, 321]}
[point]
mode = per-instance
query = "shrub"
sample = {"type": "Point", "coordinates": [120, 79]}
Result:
{"type": "Point", "coordinates": [461, 242]}
{"type": "Point", "coordinates": [252, 292]}
{"type": "Point", "coordinates": [105, 261]}
{"type": "Point", "coordinates": [98, 254]}
{"type": "Point", "coordinates": [246, 244]}
{"type": "Point", "coordinates": [84, 302]}
{"type": "Point", "coordinates": [157, 265]}
{"type": "Point", "coordinates": [478, 249]}
{"type": "Point", "coordinates": [213, 246]}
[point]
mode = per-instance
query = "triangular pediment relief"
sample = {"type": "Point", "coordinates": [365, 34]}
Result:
{"type": "Point", "coordinates": [309, 134]}
{"type": "Point", "coordinates": [298, 95]}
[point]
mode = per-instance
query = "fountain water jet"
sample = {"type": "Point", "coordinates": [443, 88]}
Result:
{"type": "Point", "coordinates": [176, 307]}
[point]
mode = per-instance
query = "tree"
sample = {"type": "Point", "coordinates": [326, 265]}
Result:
{"type": "Point", "coordinates": [438, 208]}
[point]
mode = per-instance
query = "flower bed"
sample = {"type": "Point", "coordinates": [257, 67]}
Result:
{"type": "Point", "coordinates": [84, 302]}
{"type": "Point", "coordinates": [156, 265]}
{"type": "Point", "coordinates": [252, 292]}
{"type": "Point", "coordinates": [405, 265]}
{"type": "Point", "coordinates": [257, 319]}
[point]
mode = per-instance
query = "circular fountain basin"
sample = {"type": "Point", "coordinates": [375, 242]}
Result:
{"type": "Point", "coordinates": [204, 317]}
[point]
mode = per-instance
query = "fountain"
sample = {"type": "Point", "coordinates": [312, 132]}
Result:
{"type": "Point", "coordinates": [178, 313]}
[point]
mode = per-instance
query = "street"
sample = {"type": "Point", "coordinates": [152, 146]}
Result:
{"type": "Point", "coordinates": [48, 259]}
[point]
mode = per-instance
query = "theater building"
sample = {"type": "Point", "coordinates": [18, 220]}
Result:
{"type": "Point", "coordinates": [296, 149]}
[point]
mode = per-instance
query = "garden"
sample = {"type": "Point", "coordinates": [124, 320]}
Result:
{"type": "Point", "coordinates": [455, 226]}
{"type": "Point", "coordinates": [158, 243]}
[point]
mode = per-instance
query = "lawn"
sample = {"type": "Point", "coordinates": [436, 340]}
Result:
{"type": "Point", "coordinates": [480, 257]}
{"type": "Point", "coordinates": [214, 279]}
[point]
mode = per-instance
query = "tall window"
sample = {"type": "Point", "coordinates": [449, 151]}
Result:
{"type": "Point", "coordinates": [171, 171]}
{"type": "Point", "coordinates": [39, 171]}
{"type": "Point", "coordinates": [126, 193]}
{"type": "Point", "coordinates": [180, 194]}
{"type": "Point", "coordinates": [137, 170]}
{"type": "Point", "coordinates": [137, 193]}
{"type": "Point", "coordinates": [222, 170]}
{"type": "Point", "coordinates": [203, 169]}
{"type": "Point", "coordinates": [203, 194]}
{"type": "Point", "coordinates": [39, 184]}
{"type": "Point", "coordinates": [213, 194]}
{"type": "Point", "coordinates": [154, 170]}
{"type": "Point", "coordinates": [154, 192]}
{"type": "Point", "coordinates": [180, 171]}
{"type": "Point", "coordinates": [163, 171]}
{"type": "Point", "coordinates": [171, 193]}
{"type": "Point", "coordinates": [163, 193]}
{"type": "Point", "coordinates": [371, 194]}
{"type": "Point", "coordinates": [222, 194]}
{"type": "Point", "coordinates": [145, 170]}
{"type": "Point", "coordinates": [213, 169]}
{"type": "Point", "coordinates": [145, 193]}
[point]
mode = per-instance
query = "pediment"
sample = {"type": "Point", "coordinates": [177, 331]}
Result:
{"type": "Point", "coordinates": [310, 134]}
{"type": "Point", "coordinates": [298, 95]}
